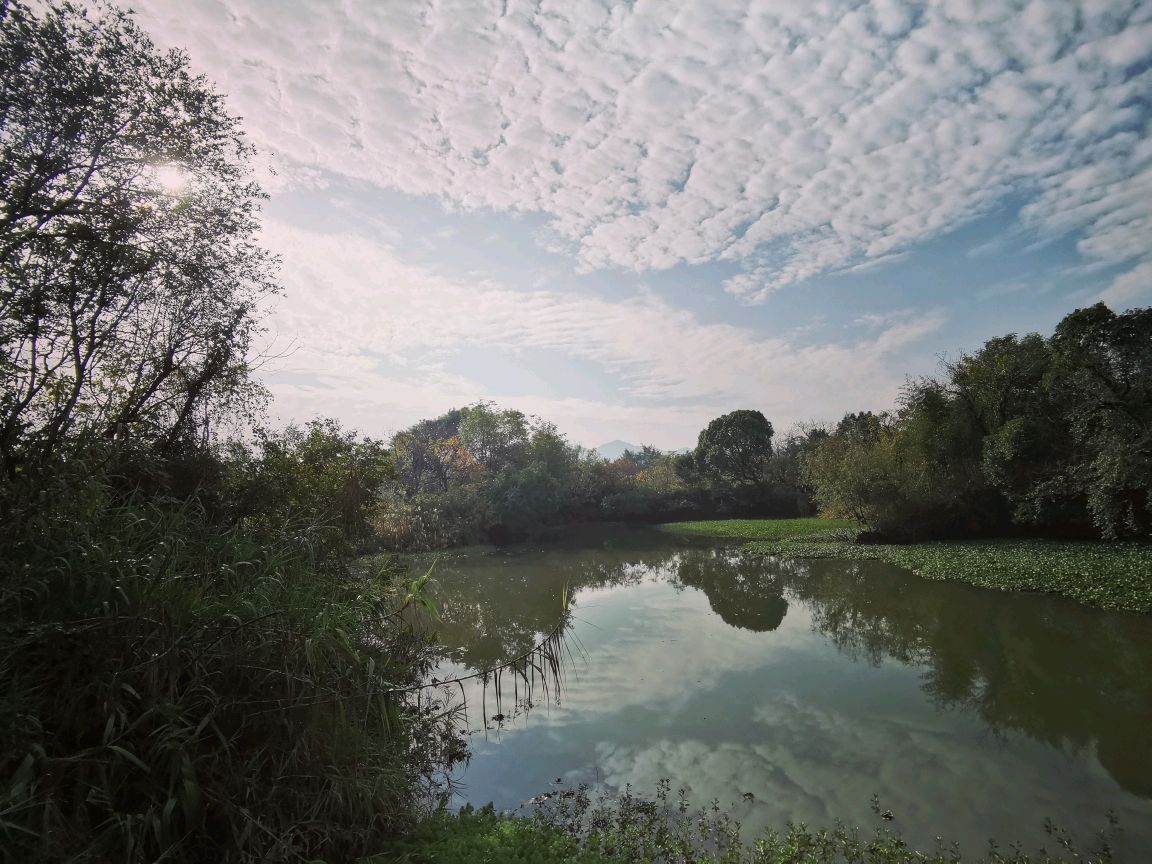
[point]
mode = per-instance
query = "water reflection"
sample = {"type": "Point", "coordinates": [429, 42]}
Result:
{"type": "Point", "coordinates": [1059, 673]}
{"type": "Point", "coordinates": [740, 589]}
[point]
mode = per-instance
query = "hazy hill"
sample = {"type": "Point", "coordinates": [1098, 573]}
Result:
{"type": "Point", "coordinates": [615, 449]}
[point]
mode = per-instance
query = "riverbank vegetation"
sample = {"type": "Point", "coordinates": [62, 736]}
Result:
{"type": "Point", "coordinates": [190, 672]}
{"type": "Point", "coordinates": [575, 829]}
{"type": "Point", "coordinates": [1034, 434]}
{"type": "Point", "coordinates": [480, 474]}
{"type": "Point", "coordinates": [1108, 575]}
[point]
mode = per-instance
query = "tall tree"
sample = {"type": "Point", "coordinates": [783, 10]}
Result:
{"type": "Point", "coordinates": [735, 447]}
{"type": "Point", "coordinates": [1102, 375]}
{"type": "Point", "coordinates": [129, 273]}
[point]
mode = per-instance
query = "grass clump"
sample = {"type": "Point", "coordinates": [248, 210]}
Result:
{"type": "Point", "coordinates": [486, 837]}
{"type": "Point", "coordinates": [572, 828]}
{"type": "Point", "coordinates": [761, 529]}
{"type": "Point", "coordinates": [1108, 575]}
{"type": "Point", "coordinates": [175, 691]}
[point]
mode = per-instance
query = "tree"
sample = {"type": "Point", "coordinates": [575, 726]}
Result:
{"type": "Point", "coordinates": [319, 479]}
{"type": "Point", "coordinates": [536, 492]}
{"type": "Point", "coordinates": [735, 447]}
{"type": "Point", "coordinates": [426, 454]}
{"type": "Point", "coordinates": [1102, 378]}
{"type": "Point", "coordinates": [494, 438]}
{"type": "Point", "coordinates": [645, 458]}
{"type": "Point", "coordinates": [129, 274]}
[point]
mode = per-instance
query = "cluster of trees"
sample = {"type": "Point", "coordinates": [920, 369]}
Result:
{"type": "Point", "coordinates": [1048, 435]}
{"type": "Point", "coordinates": [1033, 434]}
{"type": "Point", "coordinates": [480, 473]}
{"type": "Point", "coordinates": [127, 311]}
{"type": "Point", "coordinates": [191, 672]}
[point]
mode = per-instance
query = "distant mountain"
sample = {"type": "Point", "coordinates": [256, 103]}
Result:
{"type": "Point", "coordinates": [615, 449]}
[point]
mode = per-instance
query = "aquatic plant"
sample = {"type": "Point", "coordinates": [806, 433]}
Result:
{"type": "Point", "coordinates": [1108, 575]}
{"type": "Point", "coordinates": [575, 828]}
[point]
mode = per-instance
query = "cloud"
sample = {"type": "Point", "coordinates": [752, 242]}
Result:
{"type": "Point", "coordinates": [375, 337]}
{"type": "Point", "coordinates": [1129, 288]}
{"type": "Point", "coordinates": [795, 139]}
{"type": "Point", "coordinates": [816, 762]}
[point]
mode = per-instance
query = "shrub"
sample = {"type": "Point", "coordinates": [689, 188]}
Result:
{"type": "Point", "coordinates": [176, 691]}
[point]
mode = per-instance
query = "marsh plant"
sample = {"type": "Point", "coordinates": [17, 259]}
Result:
{"type": "Point", "coordinates": [175, 691]}
{"type": "Point", "coordinates": [577, 825]}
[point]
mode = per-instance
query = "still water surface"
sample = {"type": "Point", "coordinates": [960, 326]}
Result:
{"type": "Point", "coordinates": [971, 714]}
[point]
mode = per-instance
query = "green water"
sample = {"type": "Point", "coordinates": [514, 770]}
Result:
{"type": "Point", "coordinates": [971, 714]}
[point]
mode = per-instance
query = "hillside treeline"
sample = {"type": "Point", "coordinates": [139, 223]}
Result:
{"type": "Point", "coordinates": [1045, 435]}
{"type": "Point", "coordinates": [481, 474]}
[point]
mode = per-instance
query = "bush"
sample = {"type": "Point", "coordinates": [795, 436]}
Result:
{"type": "Point", "coordinates": [172, 690]}
{"type": "Point", "coordinates": [569, 826]}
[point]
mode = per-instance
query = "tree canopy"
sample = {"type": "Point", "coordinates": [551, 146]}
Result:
{"type": "Point", "coordinates": [128, 264]}
{"type": "Point", "coordinates": [1028, 433]}
{"type": "Point", "coordinates": [736, 446]}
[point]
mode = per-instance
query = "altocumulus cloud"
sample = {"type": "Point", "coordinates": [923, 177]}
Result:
{"type": "Point", "coordinates": [354, 304]}
{"type": "Point", "coordinates": [793, 139]}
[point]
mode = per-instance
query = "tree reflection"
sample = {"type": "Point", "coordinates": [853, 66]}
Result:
{"type": "Point", "coordinates": [740, 589]}
{"type": "Point", "coordinates": [1046, 667]}
{"type": "Point", "coordinates": [497, 606]}
{"type": "Point", "coordinates": [1059, 672]}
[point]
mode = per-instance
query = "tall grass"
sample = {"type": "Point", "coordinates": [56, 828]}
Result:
{"type": "Point", "coordinates": [174, 691]}
{"type": "Point", "coordinates": [571, 826]}
{"type": "Point", "coordinates": [760, 529]}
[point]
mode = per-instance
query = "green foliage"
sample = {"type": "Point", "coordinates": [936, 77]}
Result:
{"type": "Point", "coordinates": [1055, 434]}
{"type": "Point", "coordinates": [175, 690]}
{"type": "Point", "coordinates": [319, 483]}
{"type": "Point", "coordinates": [477, 473]}
{"type": "Point", "coordinates": [760, 529]}
{"type": "Point", "coordinates": [428, 521]}
{"type": "Point", "coordinates": [128, 307]}
{"type": "Point", "coordinates": [735, 447]}
{"type": "Point", "coordinates": [480, 474]}
{"type": "Point", "coordinates": [1111, 576]}
{"type": "Point", "coordinates": [494, 438]}
{"type": "Point", "coordinates": [1102, 377]}
{"type": "Point", "coordinates": [484, 837]}
{"type": "Point", "coordinates": [571, 827]}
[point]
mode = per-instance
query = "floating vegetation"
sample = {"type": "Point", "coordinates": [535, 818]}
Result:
{"type": "Point", "coordinates": [1108, 575]}
{"type": "Point", "coordinates": [761, 529]}
{"type": "Point", "coordinates": [572, 827]}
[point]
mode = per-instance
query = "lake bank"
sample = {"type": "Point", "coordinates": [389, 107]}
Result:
{"type": "Point", "coordinates": [1116, 576]}
{"type": "Point", "coordinates": [810, 684]}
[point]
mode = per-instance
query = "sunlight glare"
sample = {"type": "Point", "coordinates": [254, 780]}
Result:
{"type": "Point", "coordinates": [172, 178]}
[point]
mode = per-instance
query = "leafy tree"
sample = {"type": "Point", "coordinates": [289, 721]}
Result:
{"type": "Point", "coordinates": [1102, 377]}
{"type": "Point", "coordinates": [644, 458]}
{"type": "Point", "coordinates": [494, 438]}
{"type": "Point", "coordinates": [735, 447]}
{"type": "Point", "coordinates": [537, 492]}
{"type": "Point", "coordinates": [319, 482]}
{"type": "Point", "coordinates": [786, 465]}
{"type": "Point", "coordinates": [127, 305]}
{"type": "Point", "coordinates": [423, 461]}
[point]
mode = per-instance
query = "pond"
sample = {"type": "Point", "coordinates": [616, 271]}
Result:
{"type": "Point", "coordinates": [799, 690]}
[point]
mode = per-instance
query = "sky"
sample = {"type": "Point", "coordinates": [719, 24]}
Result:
{"type": "Point", "coordinates": [629, 218]}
